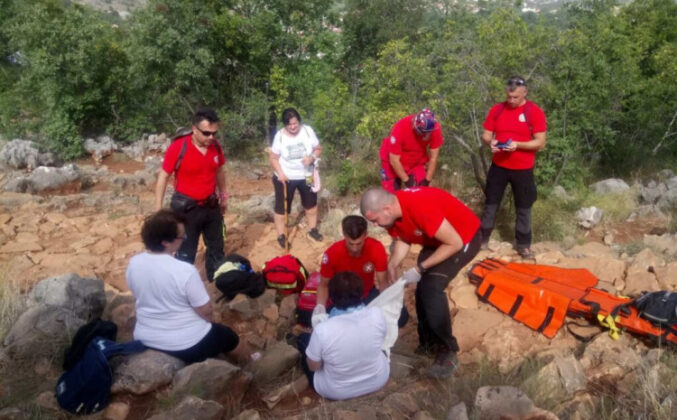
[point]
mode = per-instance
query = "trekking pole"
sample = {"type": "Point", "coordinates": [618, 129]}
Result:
{"type": "Point", "coordinates": [286, 217]}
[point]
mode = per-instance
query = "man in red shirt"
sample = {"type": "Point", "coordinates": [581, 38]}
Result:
{"type": "Point", "coordinates": [515, 131]}
{"type": "Point", "coordinates": [450, 235]}
{"type": "Point", "coordinates": [198, 165]}
{"type": "Point", "coordinates": [360, 254]}
{"type": "Point", "coordinates": [414, 142]}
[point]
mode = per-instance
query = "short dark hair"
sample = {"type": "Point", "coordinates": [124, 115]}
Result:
{"type": "Point", "coordinates": [205, 114]}
{"type": "Point", "coordinates": [345, 289]}
{"type": "Point", "coordinates": [288, 114]}
{"type": "Point", "coordinates": [354, 226]}
{"type": "Point", "coordinates": [158, 227]}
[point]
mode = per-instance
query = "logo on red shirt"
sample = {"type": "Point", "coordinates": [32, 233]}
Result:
{"type": "Point", "coordinates": [393, 140]}
{"type": "Point", "coordinates": [325, 259]}
{"type": "Point", "coordinates": [368, 267]}
{"type": "Point", "coordinates": [418, 232]}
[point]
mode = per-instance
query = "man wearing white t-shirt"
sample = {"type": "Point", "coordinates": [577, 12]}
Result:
{"type": "Point", "coordinates": [344, 358]}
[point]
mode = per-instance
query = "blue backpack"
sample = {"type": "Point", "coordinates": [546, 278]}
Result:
{"type": "Point", "coordinates": [85, 387]}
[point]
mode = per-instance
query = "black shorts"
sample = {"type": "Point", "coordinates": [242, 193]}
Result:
{"type": "Point", "coordinates": [220, 339]}
{"type": "Point", "coordinates": [308, 197]}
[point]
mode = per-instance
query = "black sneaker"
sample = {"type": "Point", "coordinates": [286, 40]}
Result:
{"type": "Point", "coordinates": [281, 240]}
{"type": "Point", "coordinates": [445, 365]}
{"type": "Point", "coordinates": [315, 234]}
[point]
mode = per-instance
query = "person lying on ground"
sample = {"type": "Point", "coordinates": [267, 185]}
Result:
{"type": "Point", "coordinates": [173, 309]}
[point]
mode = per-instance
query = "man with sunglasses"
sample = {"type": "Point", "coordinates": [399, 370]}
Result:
{"type": "Point", "coordinates": [515, 130]}
{"type": "Point", "coordinates": [409, 155]}
{"type": "Point", "coordinates": [198, 165]}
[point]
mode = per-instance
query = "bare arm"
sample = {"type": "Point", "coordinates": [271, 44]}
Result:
{"type": "Point", "coordinates": [397, 167]}
{"type": "Point", "coordinates": [160, 187]}
{"type": "Point", "coordinates": [536, 143]}
{"type": "Point", "coordinates": [451, 243]}
{"type": "Point", "coordinates": [205, 311]}
{"type": "Point", "coordinates": [323, 291]}
{"type": "Point", "coordinates": [275, 163]}
{"type": "Point", "coordinates": [380, 280]}
{"type": "Point", "coordinates": [399, 253]}
{"type": "Point", "coordinates": [313, 365]}
{"type": "Point", "coordinates": [432, 164]}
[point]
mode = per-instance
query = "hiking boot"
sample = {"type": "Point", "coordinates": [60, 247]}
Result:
{"type": "Point", "coordinates": [315, 234]}
{"type": "Point", "coordinates": [525, 253]}
{"type": "Point", "coordinates": [445, 365]}
{"type": "Point", "coordinates": [281, 240]}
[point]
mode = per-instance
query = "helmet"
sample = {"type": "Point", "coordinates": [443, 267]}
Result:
{"type": "Point", "coordinates": [425, 121]}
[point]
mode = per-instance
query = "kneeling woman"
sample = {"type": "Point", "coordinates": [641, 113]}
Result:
{"type": "Point", "coordinates": [173, 310]}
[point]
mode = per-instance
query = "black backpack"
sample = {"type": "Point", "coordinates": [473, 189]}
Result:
{"type": "Point", "coordinates": [84, 335]}
{"type": "Point", "coordinates": [658, 307]}
{"type": "Point", "coordinates": [235, 275]}
{"type": "Point", "coordinates": [85, 387]}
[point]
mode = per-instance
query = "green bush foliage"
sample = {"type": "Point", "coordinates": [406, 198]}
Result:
{"type": "Point", "coordinates": [604, 72]}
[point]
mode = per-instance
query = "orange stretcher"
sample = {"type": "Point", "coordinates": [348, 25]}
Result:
{"type": "Point", "coordinates": [541, 296]}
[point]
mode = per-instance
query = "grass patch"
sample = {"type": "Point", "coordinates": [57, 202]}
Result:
{"type": "Point", "coordinates": [12, 303]}
{"type": "Point", "coordinates": [617, 207]}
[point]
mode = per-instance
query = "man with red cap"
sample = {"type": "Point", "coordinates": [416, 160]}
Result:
{"type": "Point", "coordinates": [409, 155]}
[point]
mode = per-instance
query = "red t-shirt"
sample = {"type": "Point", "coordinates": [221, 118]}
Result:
{"type": "Point", "coordinates": [424, 209]}
{"type": "Point", "coordinates": [373, 259]}
{"type": "Point", "coordinates": [511, 123]}
{"type": "Point", "coordinates": [196, 176]}
{"type": "Point", "coordinates": [405, 142]}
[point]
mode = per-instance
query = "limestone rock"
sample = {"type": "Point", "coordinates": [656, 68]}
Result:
{"type": "Point", "coordinates": [589, 217]}
{"type": "Point", "coordinates": [666, 243]}
{"type": "Point", "coordinates": [667, 276]}
{"type": "Point", "coordinates": [20, 154]}
{"type": "Point", "coordinates": [100, 147]}
{"type": "Point", "coordinates": [610, 186]}
{"type": "Point", "coordinates": [458, 412]}
{"type": "Point", "coordinates": [191, 408]}
{"type": "Point", "coordinates": [85, 297]}
{"type": "Point", "coordinates": [276, 360]}
{"type": "Point", "coordinates": [116, 411]}
{"type": "Point", "coordinates": [464, 297]}
{"type": "Point", "coordinates": [619, 352]}
{"type": "Point", "coordinates": [212, 379]}
{"type": "Point", "coordinates": [42, 331]}
{"type": "Point", "coordinates": [494, 402]}
{"type": "Point", "coordinates": [47, 400]}
{"type": "Point", "coordinates": [470, 325]}
{"type": "Point", "coordinates": [288, 306]}
{"type": "Point", "coordinates": [144, 372]}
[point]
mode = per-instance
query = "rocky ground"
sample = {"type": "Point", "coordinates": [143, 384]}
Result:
{"type": "Point", "coordinates": [91, 227]}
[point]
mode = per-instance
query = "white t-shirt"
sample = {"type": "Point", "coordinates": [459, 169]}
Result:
{"type": "Point", "coordinates": [349, 347]}
{"type": "Point", "coordinates": [166, 291]}
{"type": "Point", "coordinates": [292, 150]}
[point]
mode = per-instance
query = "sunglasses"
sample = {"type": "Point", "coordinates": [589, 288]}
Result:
{"type": "Point", "coordinates": [516, 82]}
{"type": "Point", "coordinates": [208, 133]}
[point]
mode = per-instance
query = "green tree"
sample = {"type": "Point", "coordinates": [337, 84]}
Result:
{"type": "Point", "coordinates": [66, 85]}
